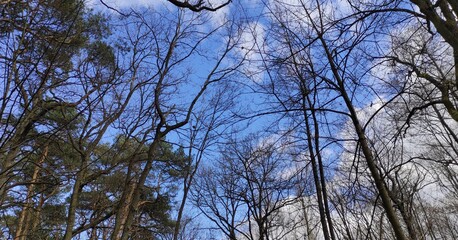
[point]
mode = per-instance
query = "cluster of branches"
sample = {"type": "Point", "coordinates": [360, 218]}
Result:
{"type": "Point", "coordinates": [87, 103]}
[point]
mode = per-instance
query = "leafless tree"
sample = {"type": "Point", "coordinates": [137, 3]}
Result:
{"type": "Point", "coordinates": [245, 190]}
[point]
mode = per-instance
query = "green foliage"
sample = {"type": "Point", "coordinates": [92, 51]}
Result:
{"type": "Point", "coordinates": [175, 162]}
{"type": "Point", "coordinates": [101, 53]}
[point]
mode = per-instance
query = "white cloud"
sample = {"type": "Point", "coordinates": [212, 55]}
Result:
{"type": "Point", "coordinates": [220, 16]}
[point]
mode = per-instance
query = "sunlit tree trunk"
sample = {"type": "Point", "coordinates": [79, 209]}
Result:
{"type": "Point", "coordinates": [123, 211]}
{"type": "Point", "coordinates": [26, 215]}
{"type": "Point", "coordinates": [74, 197]}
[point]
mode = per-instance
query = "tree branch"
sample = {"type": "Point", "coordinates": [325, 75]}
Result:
{"type": "Point", "coordinates": [199, 5]}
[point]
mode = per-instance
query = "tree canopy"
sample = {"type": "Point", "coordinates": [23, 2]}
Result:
{"type": "Point", "coordinates": [212, 119]}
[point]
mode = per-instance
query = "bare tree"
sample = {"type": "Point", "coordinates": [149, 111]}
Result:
{"type": "Point", "coordinates": [329, 87]}
{"type": "Point", "coordinates": [245, 190]}
{"type": "Point", "coordinates": [206, 128]}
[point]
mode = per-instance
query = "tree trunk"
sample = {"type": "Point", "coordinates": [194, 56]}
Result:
{"type": "Point", "coordinates": [307, 224]}
{"type": "Point", "coordinates": [176, 230]}
{"type": "Point", "coordinates": [77, 188]}
{"type": "Point", "coordinates": [316, 177]}
{"type": "Point", "coordinates": [370, 160]}
{"type": "Point", "coordinates": [134, 196]}
{"type": "Point", "coordinates": [25, 217]}
{"type": "Point", "coordinates": [321, 169]}
{"type": "Point", "coordinates": [123, 211]}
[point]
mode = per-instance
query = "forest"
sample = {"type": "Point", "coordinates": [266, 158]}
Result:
{"type": "Point", "coordinates": [228, 119]}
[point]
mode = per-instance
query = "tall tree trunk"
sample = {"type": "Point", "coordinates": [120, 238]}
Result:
{"type": "Point", "coordinates": [26, 215]}
{"type": "Point", "coordinates": [35, 221]}
{"type": "Point", "coordinates": [176, 231]}
{"type": "Point", "coordinates": [313, 141]}
{"type": "Point", "coordinates": [364, 144]}
{"type": "Point", "coordinates": [379, 182]}
{"type": "Point", "coordinates": [77, 188]}
{"type": "Point", "coordinates": [134, 195]}
{"type": "Point", "coordinates": [316, 177]}
{"type": "Point", "coordinates": [321, 168]}
{"type": "Point", "coordinates": [123, 211]}
{"type": "Point", "coordinates": [370, 160]}
{"type": "Point", "coordinates": [306, 219]}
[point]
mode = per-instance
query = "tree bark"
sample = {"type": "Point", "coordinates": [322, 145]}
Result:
{"type": "Point", "coordinates": [25, 217]}
{"type": "Point", "coordinates": [77, 187]}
